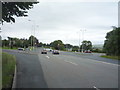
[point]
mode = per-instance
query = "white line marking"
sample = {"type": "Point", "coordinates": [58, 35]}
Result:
{"type": "Point", "coordinates": [110, 63]}
{"type": "Point", "coordinates": [73, 63]}
{"type": "Point", "coordinates": [47, 56]}
{"type": "Point", "coordinates": [55, 55]}
{"type": "Point", "coordinates": [70, 62]}
{"type": "Point", "coordinates": [105, 62]}
{"type": "Point", "coordinates": [96, 88]}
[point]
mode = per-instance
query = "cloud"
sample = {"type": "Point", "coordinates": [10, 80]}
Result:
{"type": "Point", "coordinates": [62, 20]}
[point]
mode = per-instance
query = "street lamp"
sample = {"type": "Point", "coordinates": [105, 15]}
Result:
{"type": "Point", "coordinates": [78, 40]}
{"type": "Point", "coordinates": [82, 38]}
{"type": "Point", "coordinates": [32, 38]}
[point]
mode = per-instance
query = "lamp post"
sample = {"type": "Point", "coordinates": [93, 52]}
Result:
{"type": "Point", "coordinates": [33, 38]}
{"type": "Point", "coordinates": [82, 38]}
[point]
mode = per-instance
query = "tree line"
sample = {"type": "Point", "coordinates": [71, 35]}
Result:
{"type": "Point", "coordinates": [33, 41]}
{"type": "Point", "coordinates": [111, 44]}
{"type": "Point", "coordinates": [23, 43]}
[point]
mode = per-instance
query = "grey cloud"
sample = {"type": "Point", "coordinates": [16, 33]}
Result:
{"type": "Point", "coordinates": [56, 19]}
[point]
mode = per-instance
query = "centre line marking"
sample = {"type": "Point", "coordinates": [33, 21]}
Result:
{"type": "Point", "coordinates": [110, 63]}
{"type": "Point", "coordinates": [106, 63]}
{"type": "Point", "coordinates": [47, 56]}
{"type": "Point", "coordinates": [70, 62]}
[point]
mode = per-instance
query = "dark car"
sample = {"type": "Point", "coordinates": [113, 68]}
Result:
{"type": "Point", "coordinates": [55, 52]}
{"type": "Point", "coordinates": [43, 52]}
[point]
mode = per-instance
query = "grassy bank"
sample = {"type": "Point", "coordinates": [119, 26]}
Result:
{"type": "Point", "coordinates": [14, 48]}
{"type": "Point", "coordinates": [111, 57]}
{"type": "Point", "coordinates": [8, 67]}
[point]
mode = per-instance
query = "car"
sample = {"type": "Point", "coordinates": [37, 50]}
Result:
{"type": "Point", "coordinates": [43, 52]}
{"type": "Point", "coordinates": [48, 49]}
{"type": "Point", "coordinates": [22, 49]}
{"type": "Point", "coordinates": [55, 52]}
{"type": "Point", "coordinates": [87, 51]}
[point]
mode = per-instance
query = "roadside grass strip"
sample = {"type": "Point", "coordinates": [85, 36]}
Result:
{"type": "Point", "coordinates": [8, 68]}
{"type": "Point", "coordinates": [9, 48]}
{"type": "Point", "coordinates": [111, 57]}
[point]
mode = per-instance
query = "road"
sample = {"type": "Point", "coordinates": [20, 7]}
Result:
{"type": "Point", "coordinates": [67, 70]}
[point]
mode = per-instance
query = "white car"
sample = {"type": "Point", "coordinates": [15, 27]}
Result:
{"type": "Point", "coordinates": [48, 49]}
{"type": "Point", "coordinates": [22, 49]}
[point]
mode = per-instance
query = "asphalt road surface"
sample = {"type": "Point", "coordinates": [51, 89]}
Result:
{"type": "Point", "coordinates": [66, 70]}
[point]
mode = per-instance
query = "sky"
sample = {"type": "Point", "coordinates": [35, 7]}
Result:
{"type": "Point", "coordinates": [69, 21]}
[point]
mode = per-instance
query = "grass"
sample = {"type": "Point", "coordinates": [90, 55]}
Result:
{"type": "Point", "coordinates": [14, 48]}
{"type": "Point", "coordinates": [111, 57]}
{"type": "Point", "coordinates": [8, 67]}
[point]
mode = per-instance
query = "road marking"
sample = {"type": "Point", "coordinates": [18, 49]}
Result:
{"type": "Point", "coordinates": [110, 63]}
{"type": "Point", "coordinates": [70, 62]}
{"type": "Point", "coordinates": [55, 55]}
{"type": "Point", "coordinates": [47, 56]}
{"type": "Point", "coordinates": [104, 62]}
{"type": "Point", "coordinates": [96, 88]}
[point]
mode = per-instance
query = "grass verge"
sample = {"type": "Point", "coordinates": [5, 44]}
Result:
{"type": "Point", "coordinates": [8, 67]}
{"type": "Point", "coordinates": [14, 48]}
{"type": "Point", "coordinates": [111, 57]}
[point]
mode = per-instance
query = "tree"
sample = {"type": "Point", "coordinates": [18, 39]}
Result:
{"type": "Point", "coordinates": [57, 44]}
{"type": "Point", "coordinates": [10, 42]}
{"type": "Point", "coordinates": [17, 42]}
{"type": "Point", "coordinates": [86, 45]}
{"type": "Point", "coordinates": [75, 48]}
{"type": "Point", "coordinates": [24, 43]}
{"type": "Point", "coordinates": [40, 44]}
{"type": "Point", "coordinates": [68, 46]}
{"type": "Point", "coordinates": [33, 41]}
{"type": "Point", "coordinates": [11, 9]}
{"type": "Point", "coordinates": [111, 44]}
{"type": "Point", "coordinates": [5, 43]}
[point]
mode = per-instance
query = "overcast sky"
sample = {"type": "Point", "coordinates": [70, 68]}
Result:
{"type": "Point", "coordinates": [59, 20]}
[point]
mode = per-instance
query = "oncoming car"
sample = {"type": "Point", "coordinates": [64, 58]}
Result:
{"type": "Point", "coordinates": [43, 52]}
{"type": "Point", "coordinates": [22, 49]}
{"type": "Point", "coordinates": [87, 51]}
{"type": "Point", "coordinates": [55, 52]}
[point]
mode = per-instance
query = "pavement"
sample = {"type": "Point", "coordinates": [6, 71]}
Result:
{"type": "Point", "coordinates": [29, 71]}
{"type": "Point", "coordinates": [66, 70]}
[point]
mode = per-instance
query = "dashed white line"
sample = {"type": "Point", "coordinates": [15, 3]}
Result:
{"type": "Point", "coordinates": [47, 56]}
{"type": "Point", "coordinates": [70, 62]}
{"type": "Point", "coordinates": [105, 62]}
{"type": "Point", "coordinates": [110, 63]}
{"type": "Point", "coordinates": [55, 55]}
